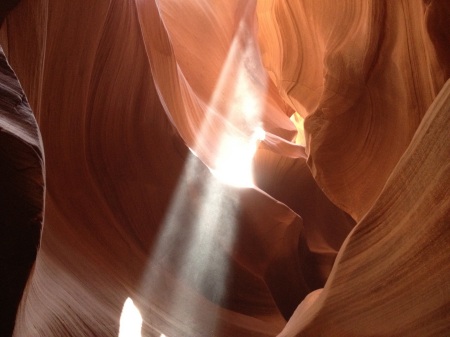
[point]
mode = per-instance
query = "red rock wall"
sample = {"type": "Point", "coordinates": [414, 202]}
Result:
{"type": "Point", "coordinates": [21, 193]}
{"type": "Point", "coordinates": [122, 89]}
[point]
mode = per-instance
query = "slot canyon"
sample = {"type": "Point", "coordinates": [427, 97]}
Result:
{"type": "Point", "coordinates": [226, 168]}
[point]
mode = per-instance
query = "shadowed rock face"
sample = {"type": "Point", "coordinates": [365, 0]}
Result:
{"type": "Point", "coordinates": [5, 7]}
{"type": "Point", "coordinates": [21, 193]}
{"type": "Point", "coordinates": [143, 104]}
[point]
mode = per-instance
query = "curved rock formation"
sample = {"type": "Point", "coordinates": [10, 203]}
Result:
{"type": "Point", "coordinates": [390, 278]}
{"type": "Point", "coordinates": [144, 106]}
{"type": "Point", "coordinates": [21, 193]}
{"type": "Point", "coordinates": [362, 75]}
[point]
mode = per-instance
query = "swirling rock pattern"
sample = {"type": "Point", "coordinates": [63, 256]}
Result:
{"type": "Point", "coordinates": [134, 100]}
{"type": "Point", "coordinates": [390, 277]}
{"type": "Point", "coordinates": [363, 77]}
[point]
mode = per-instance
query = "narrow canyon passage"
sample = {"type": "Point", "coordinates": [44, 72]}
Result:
{"type": "Point", "coordinates": [224, 168]}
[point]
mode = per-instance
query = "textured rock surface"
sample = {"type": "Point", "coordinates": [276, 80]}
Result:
{"type": "Point", "coordinates": [363, 75]}
{"type": "Point", "coordinates": [122, 89]}
{"type": "Point", "coordinates": [391, 275]}
{"type": "Point", "coordinates": [21, 193]}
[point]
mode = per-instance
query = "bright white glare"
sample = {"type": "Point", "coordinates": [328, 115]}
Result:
{"type": "Point", "coordinates": [241, 102]}
{"type": "Point", "coordinates": [260, 134]}
{"type": "Point", "coordinates": [130, 320]}
{"type": "Point", "coordinates": [233, 164]}
{"type": "Point", "coordinates": [163, 335]}
{"type": "Point", "coordinates": [298, 122]}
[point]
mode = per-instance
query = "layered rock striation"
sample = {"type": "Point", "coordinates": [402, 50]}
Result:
{"type": "Point", "coordinates": [145, 107]}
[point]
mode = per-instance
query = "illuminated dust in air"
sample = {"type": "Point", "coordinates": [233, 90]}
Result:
{"type": "Point", "coordinates": [192, 252]}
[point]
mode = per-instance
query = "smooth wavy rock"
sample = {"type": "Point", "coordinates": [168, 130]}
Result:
{"type": "Point", "coordinates": [229, 94]}
{"type": "Point", "coordinates": [135, 101]}
{"type": "Point", "coordinates": [390, 277]}
{"type": "Point", "coordinates": [129, 210]}
{"type": "Point", "coordinates": [21, 193]}
{"type": "Point", "coordinates": [362, 75]}
{"type": "Point", "coordinates": [326, 226]}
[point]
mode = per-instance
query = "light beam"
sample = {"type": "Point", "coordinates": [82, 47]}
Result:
{"type": "Point", "coordinates": [198, 232]}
